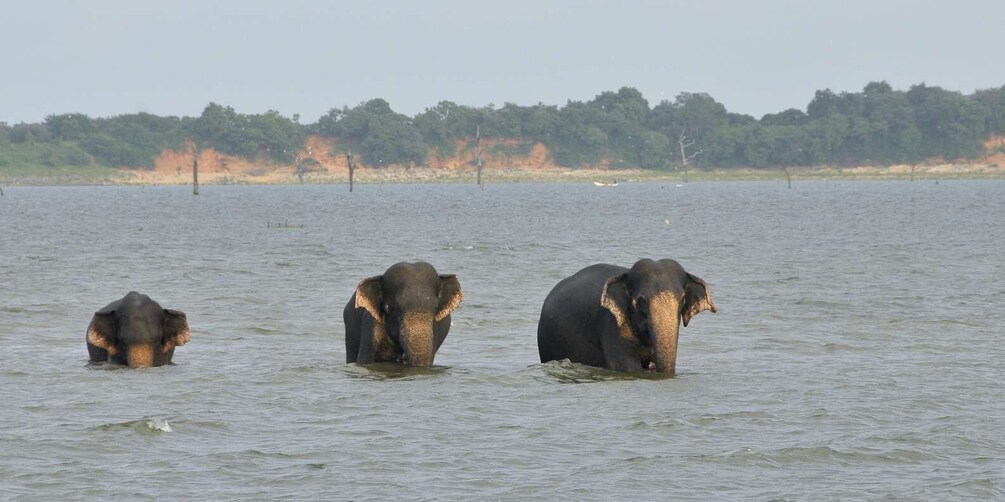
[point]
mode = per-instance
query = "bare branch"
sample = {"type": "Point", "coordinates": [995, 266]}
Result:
{"type": "Point", "coordinates": [684, 142]}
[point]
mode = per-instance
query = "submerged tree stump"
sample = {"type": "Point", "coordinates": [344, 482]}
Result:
{"type": "Point", "coordinates": [478, 156]}
{"type": "Point", "coordinates": [195, 169]}
{"type": "Point", "coordinates": [352, 168]}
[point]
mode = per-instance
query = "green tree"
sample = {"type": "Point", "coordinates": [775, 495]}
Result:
{"type": "Point", "coordinates": [505, 122]}
{"type": "Point", "coordinates": [789, 145]}
{"type": "Point", "coordinates": [654, 150]}
{"type": "Point", "coordinates": [380, 135]}
{"type": "Point", "coordinates": [434, 125]}
{"type": "Point", "coordinates": [69, 126]}
{"type": "Point", "coordinates": [541, 123]}
{"type": "Point", "coordinates": [268, 136]}
{"type": "Point", "coordinates": [790, 117]}
{"type": "Point", "coordinates": [992, 101]}
{"type": "Point", "coordinates": [691, 116]}
{"type": "Point", "coordinates": [621, 116]}
{"type": "Point", "coordinates": [951, 125]}
{"type": "Point", "coordinates": [277, 137]}
{"type": "Point", "coordinates": [891, 118]}
{"type": "Point", "coordinates": [826, 139]}
{"type": "Point", "coordinates": [215, 125]}
{"type": "Point", "coordinates": [824, 103]}
{"type": "Point", "coordinates": [579, 140]}
{"type": "Point", "coordinates": [113, 151]}
{"type": "Point", "coordinates": [725, 146]}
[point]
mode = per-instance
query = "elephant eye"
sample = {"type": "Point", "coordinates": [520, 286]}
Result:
{"type": "Point", "coordinates": [640, 302]}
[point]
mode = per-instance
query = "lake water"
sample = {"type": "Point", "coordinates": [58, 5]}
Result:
{"type": "Point", "coordinates": [858, 352]}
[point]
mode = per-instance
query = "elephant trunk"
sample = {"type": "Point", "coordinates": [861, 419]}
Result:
{"type": "Point", "coordinates": [417, 338]}
{"type": "Point", "coordinates": [664, 318]}
{"type": "Point", "coordinates": [140, 356]}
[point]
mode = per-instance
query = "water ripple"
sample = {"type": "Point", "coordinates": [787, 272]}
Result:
{"type": "Point", "coordinates": [855, 356]}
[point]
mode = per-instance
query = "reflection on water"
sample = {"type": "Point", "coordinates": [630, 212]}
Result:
{"type": "Point", "coordinates": [857, 354]}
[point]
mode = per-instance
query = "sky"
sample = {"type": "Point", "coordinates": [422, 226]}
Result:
{"type": "Point", "coordinates": [111, 57]}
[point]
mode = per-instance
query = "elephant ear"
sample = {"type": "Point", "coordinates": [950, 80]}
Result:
{"type": "Point", "coordinates": [101, 331]}
{"type": "Point", "coordinates": [614, 297]}
{"type": "Point", "coordinates": [176, 330]}
{"type": "Point", "coordinates": [450, 296]}
{"type": "Point", "coordinates": [369, 296]}
{"type": "Point", "coordinates": [697, 298]}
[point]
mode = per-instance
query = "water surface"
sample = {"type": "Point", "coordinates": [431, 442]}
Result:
{"type": "Point", "coordinates": [857, 353]}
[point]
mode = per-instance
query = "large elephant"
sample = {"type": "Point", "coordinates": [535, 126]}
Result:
{"type": "Point", "coordinates": [135, 330]}
{"type": "Point", "coordinates": [401, 316]}
{"type": "Point", "coordinates": [619, 318]}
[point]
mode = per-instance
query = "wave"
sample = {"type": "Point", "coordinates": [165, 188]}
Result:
{"type": "Point", "coordinates": [142, 426]}
{"type": "Point", "coordinates": [565, 371]}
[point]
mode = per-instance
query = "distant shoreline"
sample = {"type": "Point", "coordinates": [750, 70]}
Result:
{"type": "Point", "coordinates": [282, 175]}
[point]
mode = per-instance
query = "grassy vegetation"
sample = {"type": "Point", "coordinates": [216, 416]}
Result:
{"type": "Point", "coordinates": [43, 154]}
{"type": "Point", "coordinates": [58, 175]}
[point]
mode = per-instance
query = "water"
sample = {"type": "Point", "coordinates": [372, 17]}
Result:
{"type": "Point", "coordinates": [857, 353]}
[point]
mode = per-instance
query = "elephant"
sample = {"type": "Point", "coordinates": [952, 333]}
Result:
{"type": "Point", "coordinates": [134, 330]}
{"type": "Point", "coordinates": [402, 316]}
{"type": "Point", "coordinates": [621, 319]}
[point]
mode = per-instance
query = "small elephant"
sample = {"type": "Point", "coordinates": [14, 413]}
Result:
{"type": "Point", "coordinates": [137, 332]}
{"type": "Point", "coordinates": [622, 319]}
{"type": "Point", "coordinates": [402, 316]}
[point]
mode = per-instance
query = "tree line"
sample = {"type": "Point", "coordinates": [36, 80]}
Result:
{"type": "Point", "coordinates": [877, 126]}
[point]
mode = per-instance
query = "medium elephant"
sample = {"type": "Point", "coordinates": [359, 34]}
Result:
{"type": "Point", "coordinates": [619, 318]}
{"type": "Point", "coordinates": [134, 330]}
{"type": "Point", "coordinates": [401, 316]}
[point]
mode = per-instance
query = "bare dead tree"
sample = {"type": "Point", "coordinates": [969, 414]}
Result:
{"type": "Point", "coordinates": [352, 167]}
{"type": "Point", "coordinates": [787, 176]}
{"type": "Point", "coordinates": [478, 155]}
{"type": "Point", "coordinates": [913, 167]}
{"type": "Point", "coordinates": [1, 190]}
{"type": "Point", "coordinates": [195, 169]}
{"type": "Point", "coordinates": [684, 143]}
{"type": "Point", "coordinates": [299, 168]}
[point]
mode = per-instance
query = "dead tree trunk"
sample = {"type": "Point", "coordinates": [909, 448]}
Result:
{"type": "Point", "coordinates": [478, 155]}
{"type": "Point", "coordinates": [787, 176]}
{"type": "Point", "coordinates": [1, 190]}
{"type": "Point", "coordinates": [913, 167]}
{"type": "Point", "coordinates": [195, 169]}
{"type": "Point", "coordinates": [300, 169]}
{"type": "Point", "coordinates": [352, 168]}
{"type": "Point", "coordinates": [684, 143]}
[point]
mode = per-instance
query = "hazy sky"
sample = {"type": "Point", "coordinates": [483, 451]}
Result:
{"type": "Point", "coordinates": [109, 57]}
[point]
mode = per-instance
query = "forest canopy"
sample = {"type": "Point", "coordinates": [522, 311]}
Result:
{"type": "Point", "coordinates": [877, 126]}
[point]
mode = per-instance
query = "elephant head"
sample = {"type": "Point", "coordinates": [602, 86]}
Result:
{"type": "Point", "coordinates": [136, 331]}
{"type": "Point", "coordinates": [649, 301]}
{"type": "Point", "coordinates": [412, 303]}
